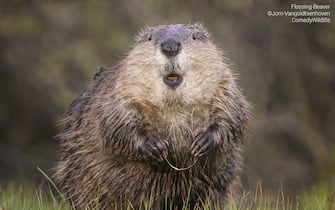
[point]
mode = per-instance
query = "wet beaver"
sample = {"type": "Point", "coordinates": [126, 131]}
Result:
{"type": "Point", "coordinates": [162, 127]}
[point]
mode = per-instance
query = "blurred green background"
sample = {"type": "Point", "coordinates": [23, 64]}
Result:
{"type": "Point", "coordinates": [49, 51]}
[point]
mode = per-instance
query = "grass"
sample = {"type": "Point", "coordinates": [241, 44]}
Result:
{"type": "Point", "coordinates": [321, 197]}
{"type": "Point", "coordinates": [24, 196]}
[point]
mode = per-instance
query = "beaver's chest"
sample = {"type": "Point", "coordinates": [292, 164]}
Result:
{"type": "Point", "coordinates": [178, 128]}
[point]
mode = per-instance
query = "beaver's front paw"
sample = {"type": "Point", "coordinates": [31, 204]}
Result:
{"type": "Point", "coordinates": [203, 143]}
{"type": "Point", "coordinates": [154, 149]}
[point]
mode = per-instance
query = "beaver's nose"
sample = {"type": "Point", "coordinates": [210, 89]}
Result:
{"type": "Point", "coordinates": [170, 47]}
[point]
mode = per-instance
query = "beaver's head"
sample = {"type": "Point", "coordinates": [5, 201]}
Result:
{"type": "Point", "coordinates": [174, 65]}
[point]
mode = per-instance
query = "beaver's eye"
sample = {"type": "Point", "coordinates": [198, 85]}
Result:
{"type": "Point", "coordinates": [199, 36]}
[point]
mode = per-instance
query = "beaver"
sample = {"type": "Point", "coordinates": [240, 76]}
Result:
{"type": "Point", "coordinates": [162, 129]}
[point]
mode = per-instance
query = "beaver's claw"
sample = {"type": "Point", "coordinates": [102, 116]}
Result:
{"type": "Point", "coordinates": [154, 149]}
{"type": "Point", "coordinates": [203, 143]}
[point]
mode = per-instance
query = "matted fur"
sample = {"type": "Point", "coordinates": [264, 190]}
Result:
{"type": "Point", "coordinates": [101, 162]}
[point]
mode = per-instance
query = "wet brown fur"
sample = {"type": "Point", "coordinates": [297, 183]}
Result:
{"type": "Point", "coordinates": [100, 160]}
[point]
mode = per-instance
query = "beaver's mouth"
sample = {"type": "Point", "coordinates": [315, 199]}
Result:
{"type": "Point", "coordinates": [173, 80]}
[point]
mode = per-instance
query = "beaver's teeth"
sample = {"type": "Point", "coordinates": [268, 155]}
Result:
{"type": "Point", "coordinates": [173, 80]}
{"type": "Point", "coordinates": [174, 77]}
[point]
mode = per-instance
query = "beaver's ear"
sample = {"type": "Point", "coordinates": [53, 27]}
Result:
{"type": "Point", "coordinates": [98, 71]}
{"type": "Point", "coordinates": [200, 32]}
{"type": "Point", "coordinates": [199, 25]}
{"type": "Point", "coordinates": [144, 34]}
